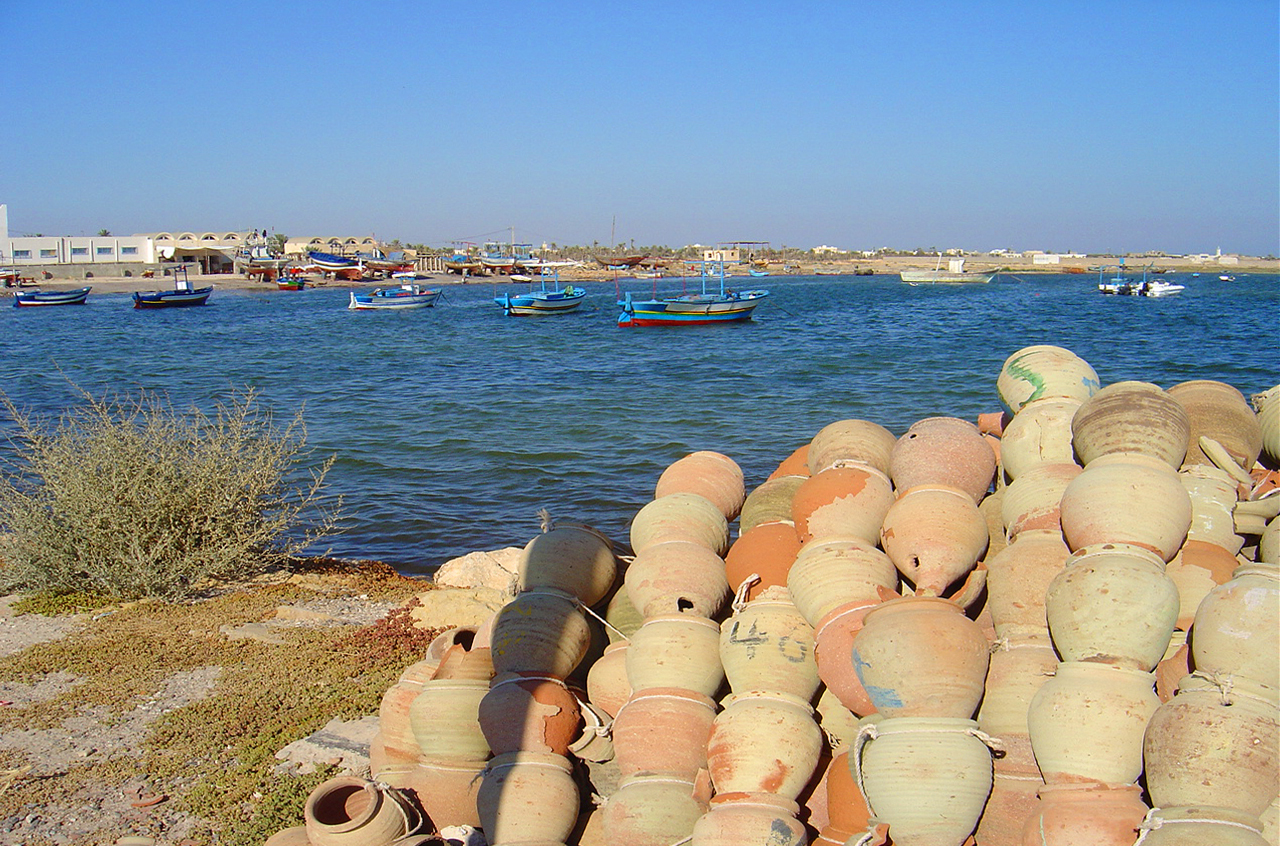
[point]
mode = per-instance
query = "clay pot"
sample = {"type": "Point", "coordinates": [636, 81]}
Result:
{"type": "Point", "coordinates": [446, 791]}
{"type": "Point", "coordinates": [663, 730]}
{"type": "Point", "coordinates": [994, 422]}
{"type": "Point", "coordinates": [1175, 664]}
{"type": "Point", "coordinates": [1213, 499]}
{"type": "Point", "coordinates": [1197, 569]}
{"type": "Point", "coordinates": [934, 535]}
{"type": "Point", "coordinates": [765, 552]}
{"type": "Point", "coordinates": [838, 723]}
{"type": "Point", "coordinates": [990, 509]}
{"type": "Point", "coordinates": [736, 819]}
{"type": "Point", "coordinates": [1039, 434]}
{"type": "Point", "coordinates": [680, 516]}
{"type": "Point", "coordinates": [652, 810]}
{"type": "Point", "coordinates": [795, 464]}
{"type": "Point", "coordinates": [1131, 417]}
{"type": "Point", "coordinates": [830, 572]}
{"type": "Point", "coordinates": [1267, 405]}
{"type": "Point", "coordinates": [350, 811]}
{"type": "Point", "coordinates": [677, 577]}
{"type": "Point", "coordinates": [712, 475]}
{"type": "Point", "coordinates": [607, 685]}
{"type": "Point", "coordinates": [921, 657]}
{"type": "Point", "coordinates": [763, 743]}
{"type": "Point", "coordinates": [594, 741]}
{"type": "Point", "coordinates": [768, 646]}
{"type": "Point", "coordinates": [851, 441]}
{"type": "Point", "coordinates": [833, 648]}
{"type": "Point", "coordinates": [526, 712]}
{"type": "Point", "coordinates": [1041, 372]}
{"type": "Point", "coordinates": [1269, 544]}
{"type": "Point", "coordinates": [1112, 604]}
{"type": "Point", "coordinates": [572, 558]}
{"type": "Point", "coordinates": [622, 616]}
{"type": "Point", "coordinates": [769, 503]}
{"type": "Point", "coordinates": [1219, 411]}
{"type": "Point", "coordinates": [1094, 814]}
{"type": "Point", "coordinates": [1202, 825]}
{"type": "Point", "coordinates": [540, 631]}
{"type": "Point", "coordinates": [1215, 743]}
{"type": "Point", "coordinates": [1127, 498]}
{"type": "Point", "coordinates": [1087, 723]}
{"type": "Point", "coordinates": [676, 650]}
{"type": "Point", "coordinates": [842, 501]}
{"type": "Point", "coordinates": [1019, 668]}
{"type": "Point", "coordinates": [1034, 499]}
{"type": "Point", "coordinates": [444, 719]}
{"type": "Point", "coordinates": [528, 797]}
{"type": "Point", "coordinates": [1018, 577]}
{"type": "Point", "coordinates": [292, 836]}
{"type": "Point", "coordinates": [1012, 801]}
{"type": "Point", "coordinates": [928, 778]}
{"type": "Point", "coordinates": [943, 451]}
{"type": "Point", "coordinates": [393, 711]}
{"type": "Point", "coordinates": [1237, 628]}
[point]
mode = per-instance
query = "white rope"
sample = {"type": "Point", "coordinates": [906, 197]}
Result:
{"type": "Point", "coordinates": [870, 732]}
{"type": "Point", "coordinates": [740, 595]}
{"type": "Point", "coordinates": [600, 729]}
{"type": "Point", "coordinates": [1153, 823]}
{"type": "Point", "coordinates": [845, 613]}
{"type": "Point", "coordinates": [401, 804]}
{"type": "Point", "coordinates": [518, 679]}
{"type": "Point", "coordinates": [587, 609]}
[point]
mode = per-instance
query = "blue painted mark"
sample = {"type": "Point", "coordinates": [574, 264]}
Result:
{"type": "Point", "coordinates": [883, 697]}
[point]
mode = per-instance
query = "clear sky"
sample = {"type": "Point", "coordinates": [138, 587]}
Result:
{"type": "Point", "coordinates": [1107, 126]}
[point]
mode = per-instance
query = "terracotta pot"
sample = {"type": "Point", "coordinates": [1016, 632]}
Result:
{"type": "Point", "coordinates": [768, 646]}
{"type": "Point", "coordinates": [1197, 569]}
{"type": "Point", "coordinates": [921, 657]}
{"type": "Point", "coordinates": [1039, 434]}
{"type": "Point", "coordinates": [663, 730]}
{"type": "Point", "coordinates": [1269, 544]}
{"type": "Point", "coordinates": [795, 464]}
{"type": "Point", "coordinates": [595, 739]}
{"type": "Point", "coordinates": [713, 475]}
{"type": "Point", "coordinates": [1012, 801]}
{"type": "Point", "coordinates": [572, 558]}
{"type": "Point", "coordinates": [1127, 498]}
{"type": "Point", "coordinates": [1213, 500]}
{"type": "Point", "coordinates": [1219, 411]}
{"type": "Point", "coordinates": [350, 811]}
{"type": "Point", "coordinates": [527, 712]}
{"type": "Point", "coordinates": [292, 836]}
{"type": "Point", "coordinates": [1041, 372]}
{"type": "Point", "coordinates": [736, 819]}
{"type": "Point", "coordinates": [833, 649]}
{"type": "Point", "coordinates": [528, 797]}
{"type": "Point", "coordinates": [540, 631]}
{"type": "Point", "coordinates": [934, 535]}
{"type": "Point", "coordinates": [838, 723]}
{"type": "Point", "coordinates": [1202, 825]}
{"type": "Point", "coordinates": [1131, 417]}
{"type": "Point", "coordinates": [1094, 814]}
{"type": "Point", "coordinates": [680, 516]}
{"type": "Point", "coordinates": [607, 685]}
{"type": "Point", "coordinates": [622, 616]}
{"type": "Point", "coordinates": [677, 577]}
{"type": "Point", "coordinates": [1034, 499]}
{"type": "Point", "coordinates": [1113, 605]}
{"type": "Point", "coordinates": [769, 503]}
{"type": "Point", "coordinates": [1215, 743]}
{"type": "Point", "coordinates": [842, 501]}
{"type": "Point", "coordinates": [446, 791]}
{"type": "Point", "coordinates": [943, 451]}
{"type": "Point", "coordinates": [1237, 628]}
{"type": "Point", "coordinates": [1267, 405]}
{"type": "Point", "coordinates": [830, 572]}
{"type": "Point", "coordinates": [676, 650]}
{"type": "Point", "coordinates": [393, 711]}
{"type": "Point", "coordinates": [851, 441]}
{"type": "Point", "coordinates": [1087, 723]}
{"type": "Point", "coordinates": [994, 422]}
{"type": "Point", "coordinates": [846, 807]}
{"type": "Point", "coordinates": [1174, 666]}
{"type": "Point", "coordinates": [445, 720]}
{"type": "Point", "coordinates": [928, 778]}
{"type": "Point", "coordinates": [1018, 577]}
{"type": "Point", "coordinates": [763, 743]}
{"type": "Point", "coordinates": [1019, 668]}
{"type": "Point", "coordinates": [652, 810]}
{"type": "Point", "coordinates": [990, 509]}
{"type": "Point", "coordinates": [765, 552]}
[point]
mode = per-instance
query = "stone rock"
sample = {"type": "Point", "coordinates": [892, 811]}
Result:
{"type": "Point", "coordinates": [497, 569]}
{"type": "Point", "coordinates": [344, 744]}
{"type": "Point", "coordinates": [251, 631]}
{"type": "Point", "coordinates": [448, 607]}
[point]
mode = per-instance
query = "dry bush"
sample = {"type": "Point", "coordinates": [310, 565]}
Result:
{"type": "Point", "coordinates": [127, 497]}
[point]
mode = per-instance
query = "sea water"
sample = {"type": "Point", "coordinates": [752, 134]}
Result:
{"type": "Point", "coordinates": [452, 427]}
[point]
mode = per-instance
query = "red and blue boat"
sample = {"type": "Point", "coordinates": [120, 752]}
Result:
{"type": "Point", "coordinates": [182, 295]}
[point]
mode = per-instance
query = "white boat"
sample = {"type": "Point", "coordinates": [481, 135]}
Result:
{"type": "Point", "coordinates": [1114, 279]}
{"type": "Point", "coordinates": [408, 295]}
{"type": "Point", "coordinates": [955, 274]}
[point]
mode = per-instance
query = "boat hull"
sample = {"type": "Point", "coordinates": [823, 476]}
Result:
{"type": "Point", "coordinates": [944, 277]}
{"type": "Point", "coordinates": [329, 261]}
{"type": "Point", "coordinates": [690, 311]}
{"type": "Point", "coordinates": [171, 299]}
{"type": "Point", "coordinates": [536, 304]}
{"type": "Point", "coordinates": [50, 298]}
{"type": "Point", "coordinates": [393, 300]}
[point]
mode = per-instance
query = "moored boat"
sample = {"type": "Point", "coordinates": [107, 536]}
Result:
{"type": "Point", "coordinates": [549, 298]}
{"type": "Point", "coordinates": [76, 296]}
{"type": "Point", "coordinates": [1115, 279]}
{"type": "Point", "coordinates": [291, 283]}
{"type": "Point", "coordinates": [329, 261]}
{"type": "Point", "coordinates": [955, 274]}
{"type": "Point", "coordinates": [182, 295]}
{"type": "Point", "coordinates": [710, 306]}
{"type": "Point", "coordinates": [408, 295]}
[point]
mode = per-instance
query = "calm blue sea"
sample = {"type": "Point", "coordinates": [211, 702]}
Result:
{"type": "Point", "coordinates": [453, 426]}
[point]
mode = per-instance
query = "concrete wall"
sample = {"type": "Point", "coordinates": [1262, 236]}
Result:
{"type": "Point", "coordinates": [30, 252]}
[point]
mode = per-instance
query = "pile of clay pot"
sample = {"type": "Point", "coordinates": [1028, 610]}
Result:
{"type": "Point", "coordinates": [1058, 627]}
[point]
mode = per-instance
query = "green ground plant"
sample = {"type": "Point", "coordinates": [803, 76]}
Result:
{"type": "Point", "coordinates": [126, 497]}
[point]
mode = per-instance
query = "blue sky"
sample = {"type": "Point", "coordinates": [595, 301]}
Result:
{"type": "Point", "coordinates": [1085, 126]}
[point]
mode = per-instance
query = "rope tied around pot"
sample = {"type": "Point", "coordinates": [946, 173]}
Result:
{"type": "Point", "coordinates": [871, 731]}
{"type": "Point", "coordinates": [600, 729]}
{"type": "Point", "coordinates": [1227, 694]}
{"type": "Point", "coordinates": [740, 595]}
{"type": "Point", "coordinates": [1153, 823]}
{"type": "Point", "coordinates": [411, 823]}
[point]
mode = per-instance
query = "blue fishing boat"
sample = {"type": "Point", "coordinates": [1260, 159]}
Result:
{"type": "Point", "coordinates": [408, 295]}
{"type": "Point", "coordinates": [329, 261]}
{"type": "Point", "coordinates": [76, 296]}
{"type": "Point", "coordinates": [548, 298]}
{"type": "Point", "coordinates": [181, 296]}
{"type": "Point", "coordinates": [710, 306]}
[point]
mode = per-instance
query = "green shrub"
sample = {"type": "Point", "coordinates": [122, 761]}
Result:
{"type": "Point", "coordinates": [127, 497]}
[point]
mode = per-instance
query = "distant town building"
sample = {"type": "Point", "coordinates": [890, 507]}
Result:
{"type": "Point", "coordinates": [825, 250]}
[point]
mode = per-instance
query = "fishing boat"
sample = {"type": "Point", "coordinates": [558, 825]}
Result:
{"type": "Point", "coordinates": [408, 295]}
{"type": "Point", "coordinates": [182, 295]}
{"type": "Point", "coordinates": [291, 283]}
{"type": "Point", "coordinates": [548, 298]}
{"type": "Point", "coordinates": [754, 272]}
{"type": "Point", "coordinates": [329, 261]}
{"type": "Point", "coordinates": [955, 274]}
{"type": "Point", "coordinates": [620, 261]}
{"type": "Point", "coordinates": [1116, 279]}
{"type": "Point", "coordinates": [710, 306]}
{"type": "Point", "coordinates": [75, 296]}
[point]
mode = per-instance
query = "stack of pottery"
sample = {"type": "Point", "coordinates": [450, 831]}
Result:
{"type": "Point", "coordinates": [1213, 747]}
